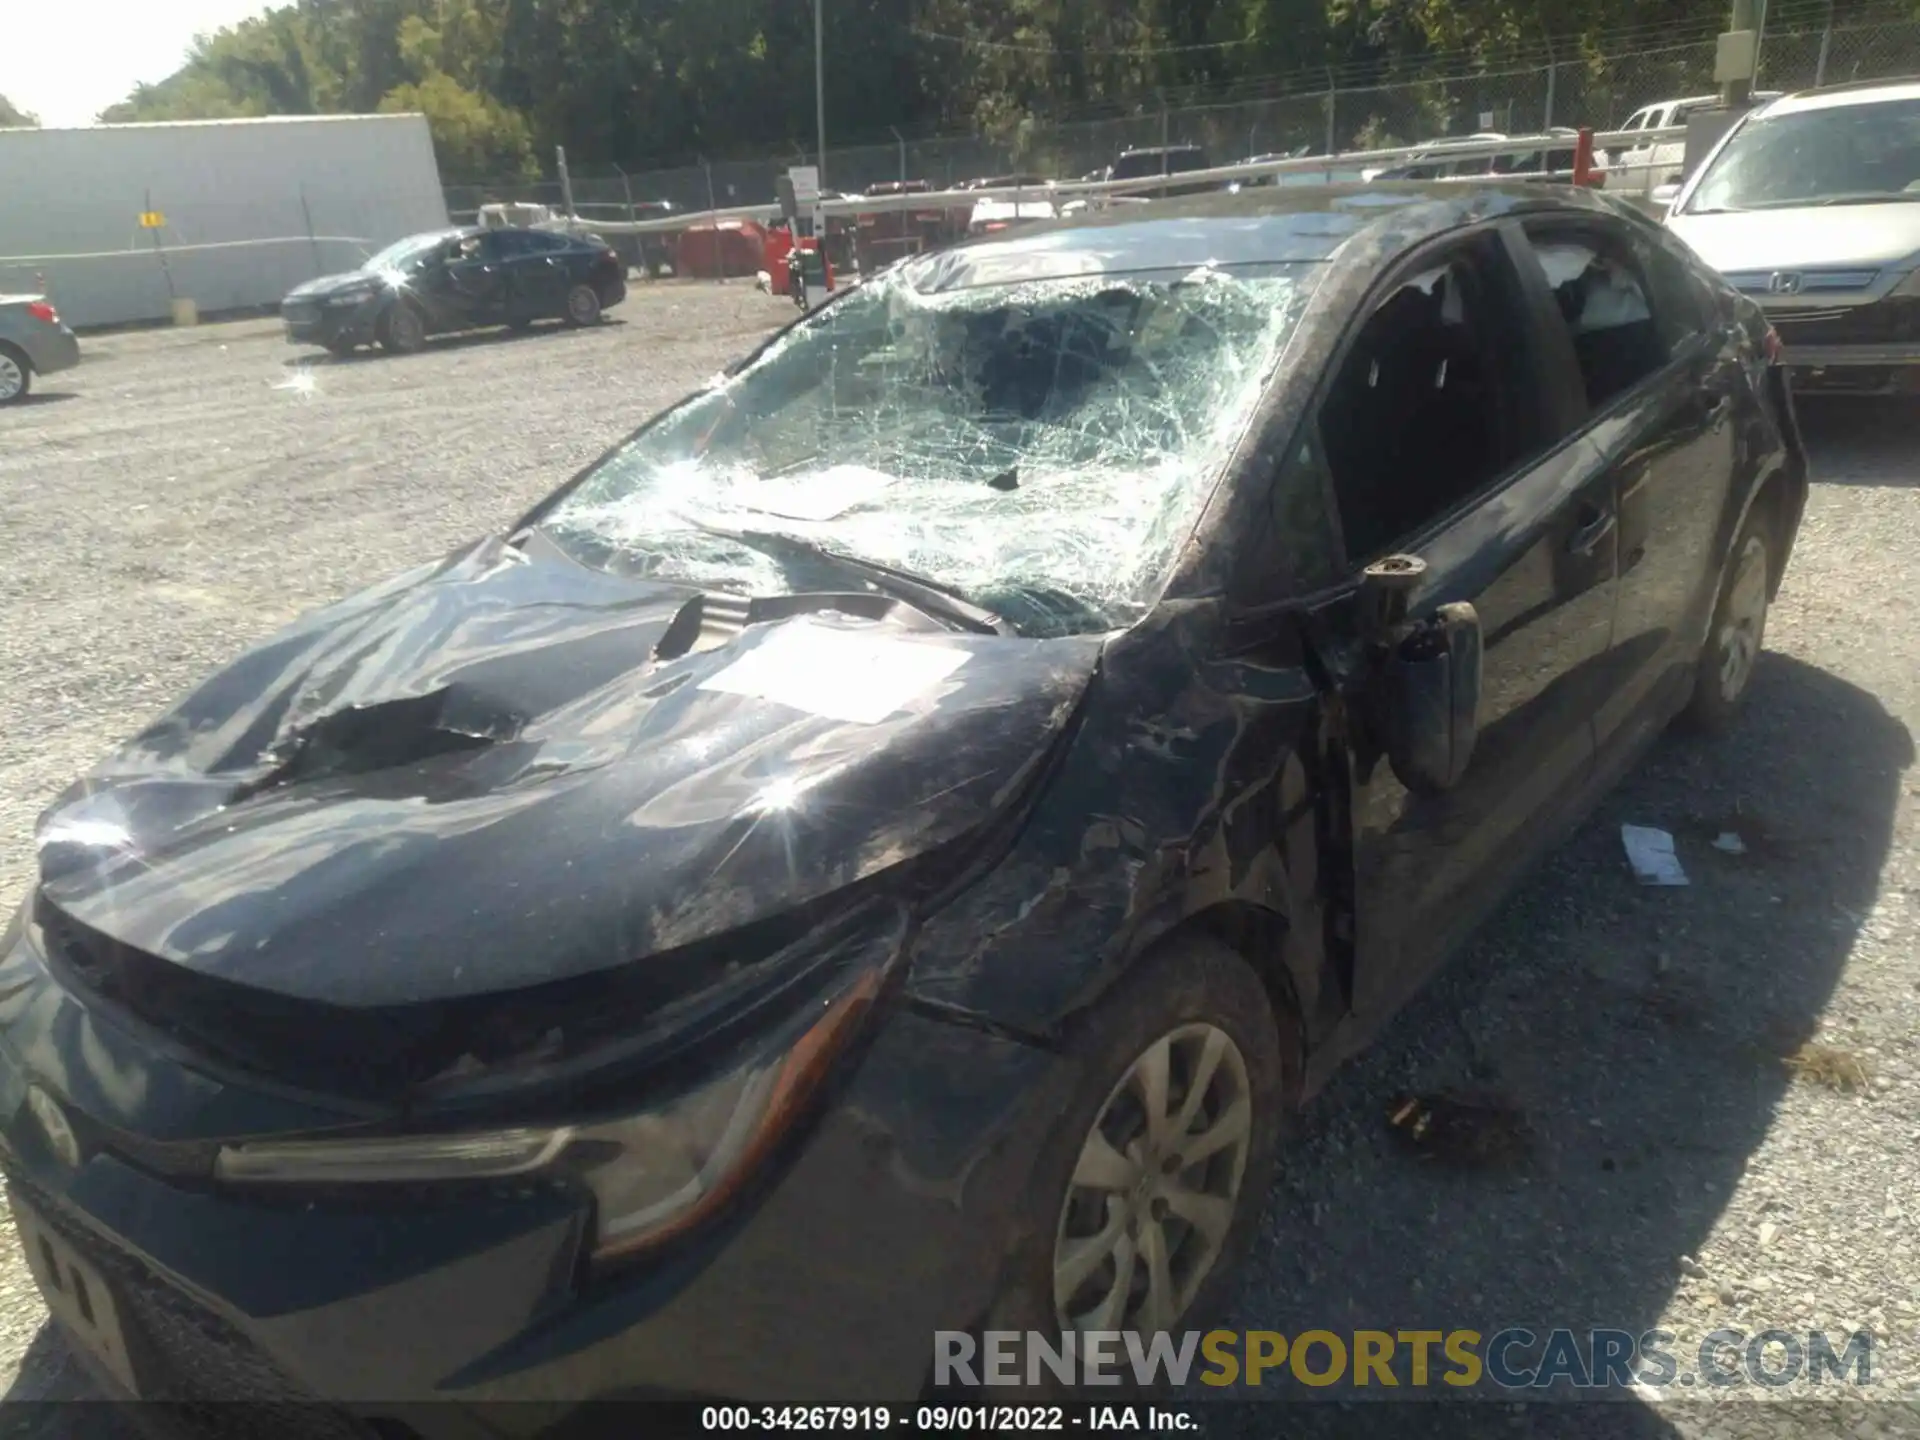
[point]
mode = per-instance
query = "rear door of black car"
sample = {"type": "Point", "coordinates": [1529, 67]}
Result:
{"type": "Point", "coordinates": [1445, 431]}
{"type": "Point", "coordinates": [1659, 393]}
{"type": "Point", "coordinates": [539, 273]}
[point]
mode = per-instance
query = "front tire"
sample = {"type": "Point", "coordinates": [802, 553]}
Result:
{"type": "Point", "coordinates": [1738, 633]}
{"type": "Point", "coordinates": [1145, 1197]}
{"type": "Point", "coordinates": [16, 376]}
{"type": "Point", "coordinates": [583, 306]}
{"type": "Point", "coordinates": [403, 331]}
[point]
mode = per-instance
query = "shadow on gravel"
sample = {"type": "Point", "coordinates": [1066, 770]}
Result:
{"type": "Point", "coordinates": [1640, 1031]}
{"type": "Point", "coordinates": [42, 397]}
{"type": "Point", "coordinates": [442, 344]}
{"type": "Point", "coordinates": [1863, 442]}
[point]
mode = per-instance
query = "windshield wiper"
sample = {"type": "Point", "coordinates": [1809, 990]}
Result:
{"type": "Point", "coordinates": [940, 601]}
{"type": "Point", "coordinates": [1874, 197]}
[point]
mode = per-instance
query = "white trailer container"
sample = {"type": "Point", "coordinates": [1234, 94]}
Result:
{"type": "Point", "coordinates": [120, 223]}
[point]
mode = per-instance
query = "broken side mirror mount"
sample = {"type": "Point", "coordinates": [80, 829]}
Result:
{"type": "Point", "coordinates": [1425, 686]}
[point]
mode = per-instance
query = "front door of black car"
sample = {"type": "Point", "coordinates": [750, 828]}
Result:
{"type": "Point", "coordinates": [476, 283]}
{"type": "Point", "coordinates": [1445, 436]}
{"type": "Point", "coordinates": [1660, 395]}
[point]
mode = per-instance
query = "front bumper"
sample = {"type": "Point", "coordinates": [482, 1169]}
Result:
{"type": "Point", "coordinates": [327, 325]}
{"type": "Point", "coordinates": [1869, 370]}
{"type": "Point", "coordinates": [883, 1222]}
{"type": "Point", "coordinates": [1833, 357]}
{"type": "Point", "coordinates": [1873, 348]}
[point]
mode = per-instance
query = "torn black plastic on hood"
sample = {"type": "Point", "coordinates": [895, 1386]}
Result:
{"type": "Point", "coordinates": [483, 779]}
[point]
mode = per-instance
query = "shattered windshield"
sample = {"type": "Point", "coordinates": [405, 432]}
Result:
{"type": "Point", "coordinates": [1041, 448]}
{"type": "Point", "coordinates": [1848, 154]}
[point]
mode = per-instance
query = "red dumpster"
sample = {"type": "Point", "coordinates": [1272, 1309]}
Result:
{"type": "Point", "coordinates": [729, 248]}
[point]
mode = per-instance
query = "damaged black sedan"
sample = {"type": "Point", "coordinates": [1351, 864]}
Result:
{"type": "Point", "coordinates": [884, 849]}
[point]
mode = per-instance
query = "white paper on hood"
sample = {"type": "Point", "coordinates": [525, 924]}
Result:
{"type": "Point", "coordinates": [840, 674]}
{"type": "Point", "coordinates": [821, 495]}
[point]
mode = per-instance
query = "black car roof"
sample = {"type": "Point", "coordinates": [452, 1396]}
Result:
{"type": "Point", "coordinates": [1258, 225]}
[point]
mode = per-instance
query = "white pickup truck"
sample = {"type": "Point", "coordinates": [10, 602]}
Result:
{"type": "Point", "coordinates": [1643, 169]}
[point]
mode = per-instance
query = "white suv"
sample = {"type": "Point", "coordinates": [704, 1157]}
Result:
{"type": "Point", "coordinates": [1811, 205]}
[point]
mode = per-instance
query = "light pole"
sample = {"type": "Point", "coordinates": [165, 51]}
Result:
{"type": "Point", "coordinates": [820, 91]}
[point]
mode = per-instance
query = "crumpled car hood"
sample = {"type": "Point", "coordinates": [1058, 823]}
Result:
{"type": "Point", "coordinates": [479, 777]}
{"type": "Point", "coordinates": [332, 285]}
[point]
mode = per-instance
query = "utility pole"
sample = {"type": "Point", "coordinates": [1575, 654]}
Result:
{"type": "Point", "coordinates": [820, 90]}
{"type": "Point", "coordinates": [1739, 51]}
{"type": "Point", "coordinates": [566, 180]}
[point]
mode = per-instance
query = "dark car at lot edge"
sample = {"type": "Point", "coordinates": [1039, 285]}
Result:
{"type": "Point", "coordinates": [885, 848]}
{"type": "Point", "coordinates": [448, 280]}
{"type": "Point", "coordinates": [34, 340]}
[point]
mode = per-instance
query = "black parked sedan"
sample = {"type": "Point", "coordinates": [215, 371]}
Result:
{"type": "Point", "coordinates": [884, 849]}
{"type": "Point", "coordinates": [456, 280]}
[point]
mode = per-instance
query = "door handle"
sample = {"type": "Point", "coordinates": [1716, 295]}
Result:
{"type": "Point", "coordinates": [1587, 538]}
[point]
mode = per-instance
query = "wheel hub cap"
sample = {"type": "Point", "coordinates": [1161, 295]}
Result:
{"type": "Point", "coordinates": [10, 377]}
{"type": "Point", "coordinates": [1156, 1186]}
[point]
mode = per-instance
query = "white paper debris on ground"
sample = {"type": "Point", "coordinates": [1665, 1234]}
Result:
{"type": "Point", "coordinates": [1651, 854]}
{"type": "Point", "coordinates": [1730, 843]}
{"type": "Point", "coordinates": [844, 676]}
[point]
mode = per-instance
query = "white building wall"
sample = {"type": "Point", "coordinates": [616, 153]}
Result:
{"type": "Point", "coordinates": [306, 196]}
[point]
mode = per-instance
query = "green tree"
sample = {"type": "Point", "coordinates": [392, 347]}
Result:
{"type": "Point", "coordinates": [475, 137]}
{"type": "Point", "coordinates": [12, 117]}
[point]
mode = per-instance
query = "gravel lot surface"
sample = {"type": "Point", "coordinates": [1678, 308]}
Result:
{"type": "Point", "coordinates": [183, 493]}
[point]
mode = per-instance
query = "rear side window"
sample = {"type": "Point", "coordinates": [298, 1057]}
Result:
{"type": "Point", "coordinates": [1604, 301]}
{"type": "Point", "coordinates": [1434, 403]}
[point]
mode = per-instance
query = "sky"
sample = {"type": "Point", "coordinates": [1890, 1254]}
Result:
{"type": "Point", "coordinates": [67, 60]}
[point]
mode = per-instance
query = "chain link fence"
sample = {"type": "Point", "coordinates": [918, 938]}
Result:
{"type": "Point", "coordinates": [1599, 89]}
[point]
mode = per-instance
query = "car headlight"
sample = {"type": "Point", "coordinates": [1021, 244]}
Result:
{"type": "Point", "coordinates": [653, 1174]}
{"type": "Point", "coordinates": [1909, 288]}
{"type": "Point", "coordinates": [353, 297]}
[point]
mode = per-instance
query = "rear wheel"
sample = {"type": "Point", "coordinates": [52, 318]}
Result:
{"type": "Point", "coordinates": [1145, 1198]}
{"type": "Point", "coordinates": [583, 305]}
{"type": "Point", "coordinates": [402, 330]}
{"type": "Point", "coordinates": [1739, 630]}
{"type": "Point", "coordinates": [16, 375]}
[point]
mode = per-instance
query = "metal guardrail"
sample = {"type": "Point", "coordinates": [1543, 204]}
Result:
{"type": "Point", "coordinates": [1349, 162]}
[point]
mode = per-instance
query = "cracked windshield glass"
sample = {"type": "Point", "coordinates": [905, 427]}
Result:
{"type": "Point", "coordinates": [1040, 448]}
{"type": "Point", "coordinates": [1855, 155]}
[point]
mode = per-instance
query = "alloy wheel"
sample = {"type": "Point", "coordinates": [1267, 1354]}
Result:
{"type": "Point", "coordinates": [1156, 1187]}
{"type": "Point", "coordinates": [13, 378]}
{"type": "Point", "coordinates": [1743, 619]}
{"type": "Point", "coordinates": [583, 306]}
